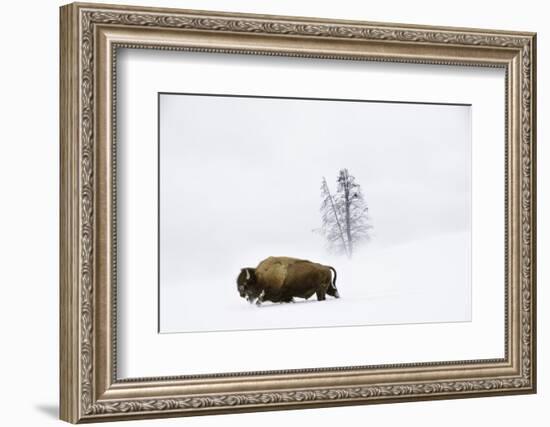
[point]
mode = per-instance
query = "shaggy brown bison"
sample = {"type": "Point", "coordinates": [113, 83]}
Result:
{"type": "Point", "coordinates": [281, 279]}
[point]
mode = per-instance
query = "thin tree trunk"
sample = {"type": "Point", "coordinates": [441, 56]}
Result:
{"type": "Point", "coordinates": [336, 217]}
{"type": "Point", "coordinates": [347, 203]}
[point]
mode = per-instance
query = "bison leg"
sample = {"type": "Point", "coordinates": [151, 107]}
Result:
{"type": "Point", "coordinates": [260, 298]}
{"type": "Point", "coordinates": [333, 291]}
{"type": "Point", "coordinates": [321, 295]}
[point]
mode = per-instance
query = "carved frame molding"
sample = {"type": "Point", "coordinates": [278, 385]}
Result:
{"type": "Point", "coordinates": [90, 35]}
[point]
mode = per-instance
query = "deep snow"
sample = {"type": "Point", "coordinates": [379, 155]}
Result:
{"type": "Point", "coordinates": [414, 282]}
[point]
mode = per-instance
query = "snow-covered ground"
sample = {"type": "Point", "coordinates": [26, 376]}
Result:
{"type": "Point", "coordinates": [414, 282]}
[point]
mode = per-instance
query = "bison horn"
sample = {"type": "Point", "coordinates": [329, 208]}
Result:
{"type": "Point", "coordinates": [247, 274]}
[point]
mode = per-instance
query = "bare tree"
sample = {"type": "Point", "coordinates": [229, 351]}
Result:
{"type": "Point", "coordinates": [344, 214]}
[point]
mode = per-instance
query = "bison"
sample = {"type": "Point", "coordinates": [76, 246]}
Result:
{"type": "Point", "coordinates": [281, 279]}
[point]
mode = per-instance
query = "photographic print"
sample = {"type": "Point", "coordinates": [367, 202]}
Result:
{"type": "Point", "coordinates": [282, 212]}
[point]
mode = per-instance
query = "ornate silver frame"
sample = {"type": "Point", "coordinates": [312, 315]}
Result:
{"type": "Point", "coordinates": [90, 35]}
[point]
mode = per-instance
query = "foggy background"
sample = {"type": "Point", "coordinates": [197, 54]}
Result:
{"type": "Point", "coordinates": [240, 180]}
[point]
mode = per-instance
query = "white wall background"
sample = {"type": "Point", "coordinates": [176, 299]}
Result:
{"type": "Point", "coordinates": [29, 171]}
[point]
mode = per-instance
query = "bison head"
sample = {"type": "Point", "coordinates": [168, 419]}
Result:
{"type": "Point", "coordinates": [247, 285]}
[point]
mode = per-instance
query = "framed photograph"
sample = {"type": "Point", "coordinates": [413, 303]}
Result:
{"type": "Point", "coordinates": [266, 212]}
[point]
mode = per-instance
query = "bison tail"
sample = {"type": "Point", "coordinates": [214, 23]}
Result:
{"type": "Point", "coordinates": [334, 278]}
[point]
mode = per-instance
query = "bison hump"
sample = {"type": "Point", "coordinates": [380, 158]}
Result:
{"type": "Point", "coordinates": [271, 273]}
